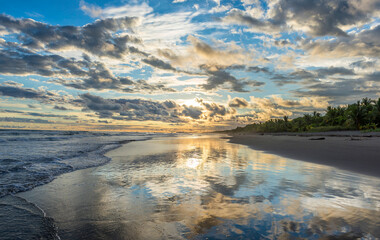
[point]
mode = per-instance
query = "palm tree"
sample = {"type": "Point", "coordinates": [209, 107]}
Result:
{"type": "Point", "coordinates": [377, 112]}
{"type": "Point", "coordinates": [357, 113]}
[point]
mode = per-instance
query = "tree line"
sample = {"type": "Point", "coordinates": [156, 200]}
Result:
{"type": "Point", "coordinates": [362, 115]}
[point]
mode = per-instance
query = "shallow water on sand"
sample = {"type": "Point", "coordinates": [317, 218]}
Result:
{"type": "Point", "coordinates": [202, 187]}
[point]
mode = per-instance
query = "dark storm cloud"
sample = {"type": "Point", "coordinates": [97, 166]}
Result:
{"type": "Point", "coordinates": [97, 38]}
{"type": "Point", "coordinates": [238, 103]}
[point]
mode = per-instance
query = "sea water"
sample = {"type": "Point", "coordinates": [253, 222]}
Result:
{"type": "Point", "coordinates": [32, 158]}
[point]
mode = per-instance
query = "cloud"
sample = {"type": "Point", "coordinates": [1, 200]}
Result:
{"type": "Point", "coordinates": [16, 90]}
{"type": "Point", "coordinates": [155, 62]}
{"type": "Point", "coordinates": [97, 38]}
{"type": "Point", "coordinates": [149, 110]}
{"type": "Point", "coordinates": [323, 72]}
{"type": "Point", "coordinates": [344, 91]}
{"type": "Point", "coordinates": [364, 64]}
{"type": "Point", "coordinates": [375, 76]}
{"type": "Point", "coordinates": [220, 55]}
{"type": "Point", "coordinates": [214, 109]}
{"type": "Point", "coordinates": [191, 111]}
{"type": "Point", "coordinates": [238, 103]}
{"type": "Point", "coordinates": [277, 107]}
{"type": "Point", "coordinates": [61, 108]}
{"type": "Point", "coordinates": [219, 79]}
{"type": "Point", "coordinates": [310, 76]}
{"type": "Point", "coordinates": [115, 12]}
{"type": "Point", "coordinates": [231, 54]}
{"type": "Point", "coordinates": [12, 89]}
{"type": "Point", "coordinates": [364, 43]}
{"type": "Point", "coordinates": [25, 120]}
{"type": "Point", "coordinates": [16, 62]}
{"type": "Point", "coordinates": [317, 18]}
{"type": "Point", "coordinates": [88, 74]}
{"type": "Point", "coordinates": [136, 109]}
{"type": "Point", "coordinates": [259, 69]}
{"type": "Point", "coordinates": [219, 9]}
{"type": "Point", "coordinates": [240, 17]}
{"type": "Point", "coordinates": [320, 18]}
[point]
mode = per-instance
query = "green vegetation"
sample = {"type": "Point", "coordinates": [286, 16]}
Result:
{"type": "Point", "coordinates": [363, 115]}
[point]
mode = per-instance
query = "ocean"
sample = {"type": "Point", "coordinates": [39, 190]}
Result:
{"type": "Point", "coordinates": [31, 158]}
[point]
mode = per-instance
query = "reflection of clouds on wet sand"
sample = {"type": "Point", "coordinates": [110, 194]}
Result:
{"type": "Point", "coordinates": [205, 187]}
{"type": "Point", "coordinates": [210, 186]}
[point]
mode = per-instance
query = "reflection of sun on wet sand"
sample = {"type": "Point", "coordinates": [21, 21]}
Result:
{"type": "Point", "coordinates": [186, 187]}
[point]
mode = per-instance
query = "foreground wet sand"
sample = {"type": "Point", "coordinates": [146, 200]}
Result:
{"type": "Point", "coordinates": [358, 154]}
{"type": "Point", "coordinates": [202, 187]}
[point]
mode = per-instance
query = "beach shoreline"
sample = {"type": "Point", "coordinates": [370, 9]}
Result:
{"type": "Point", "coordinates": [145, 182]}
{"type": "Point", "coordinates": [352, 151]}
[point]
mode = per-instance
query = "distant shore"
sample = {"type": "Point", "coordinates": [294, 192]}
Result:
{"type": "Point", "coordinates": [348, 150]}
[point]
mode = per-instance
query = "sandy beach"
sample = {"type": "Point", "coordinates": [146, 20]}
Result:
{"type": "Point", "coordinates": [359, 153]}
{"type": "Point", "coordinates": [203, 187]}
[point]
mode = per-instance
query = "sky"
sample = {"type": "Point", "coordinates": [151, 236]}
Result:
{"type": "Point", "coordinates": [182, 65]}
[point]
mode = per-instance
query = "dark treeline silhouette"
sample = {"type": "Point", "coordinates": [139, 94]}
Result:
{"type": "Point", "coordinates": [362, 115]}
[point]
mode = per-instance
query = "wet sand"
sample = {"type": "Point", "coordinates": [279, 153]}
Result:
{"type": "Point", "coordinates": [202, 187]}
{"type": "Point", "coordinates": [359, 154]}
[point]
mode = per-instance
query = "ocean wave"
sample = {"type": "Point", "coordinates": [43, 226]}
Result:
{"type": "Point", "coordinates": [37, 157]}
{"type": "Point", "coordinates": [25, 220]}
